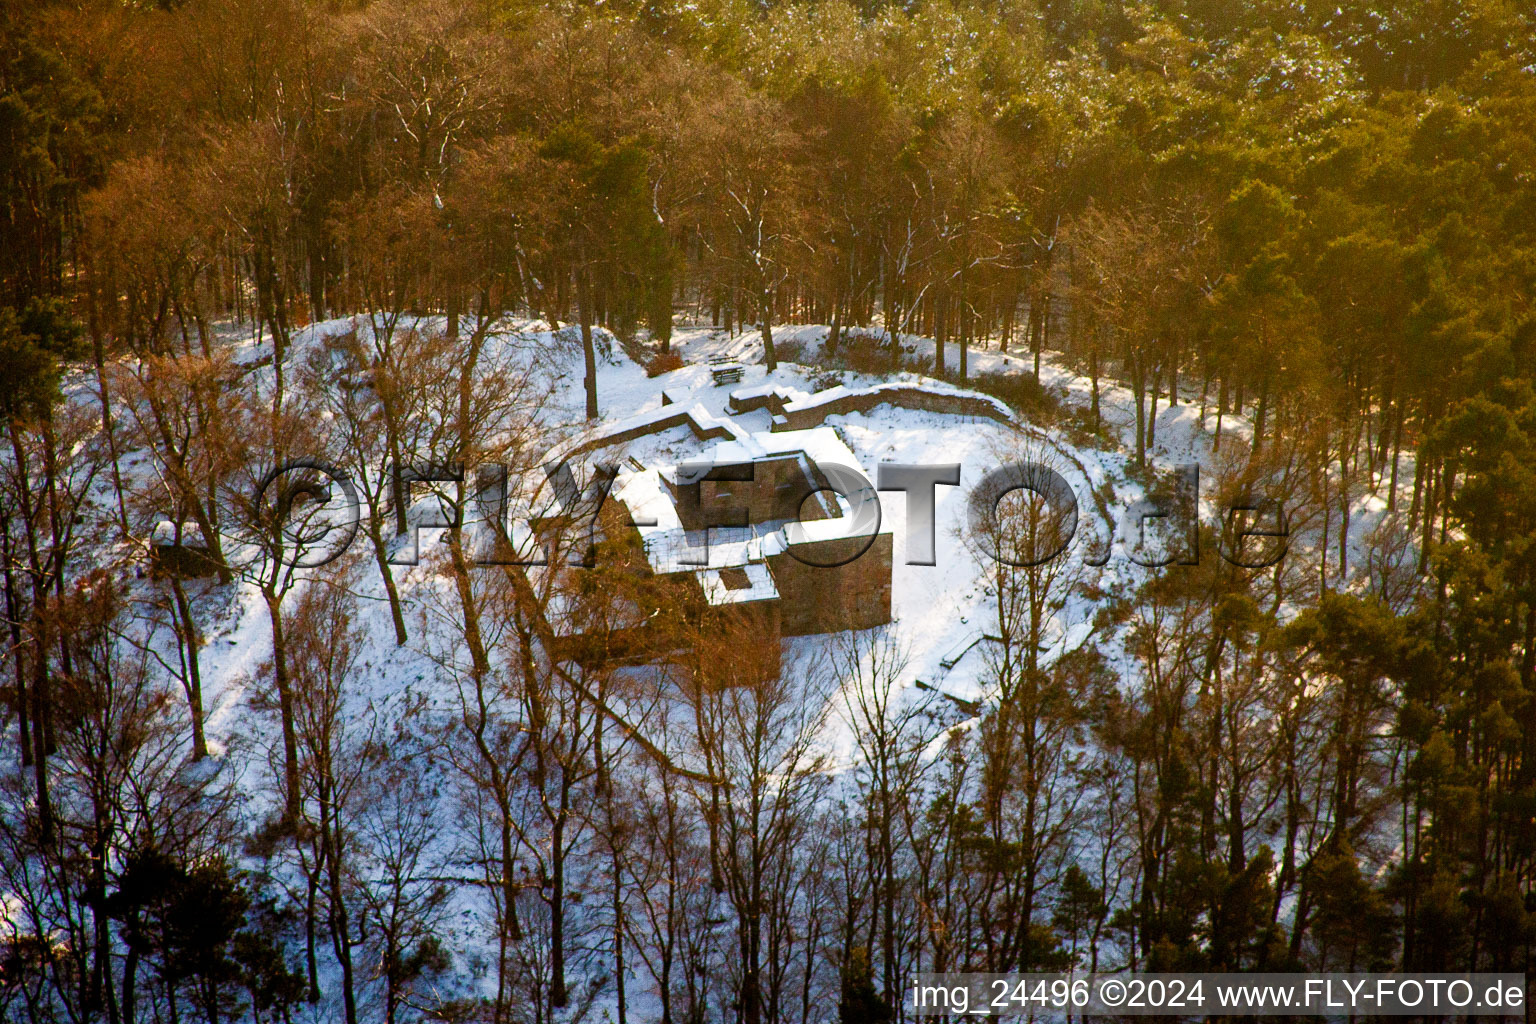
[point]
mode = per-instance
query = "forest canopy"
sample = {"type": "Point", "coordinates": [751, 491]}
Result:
{"type": "Point", "coordinates": [1313, 217]}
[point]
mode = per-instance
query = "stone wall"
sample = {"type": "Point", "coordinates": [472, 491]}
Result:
{"type": "Point", "coordinates": [812, 413]}
{"type": "Point", "coordinates": [817, 599]}
{"type": "Point", "coordinates": [684, 416]}
{"type": "Point", "coordinates": [777, 490]}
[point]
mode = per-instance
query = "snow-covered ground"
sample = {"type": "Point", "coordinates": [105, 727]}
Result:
{"type": "Point", "coordinates": [940, 611]}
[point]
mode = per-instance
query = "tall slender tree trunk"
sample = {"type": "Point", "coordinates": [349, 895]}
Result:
{"type": "Point", "coordinates": [588, 353]}
{"type": "Point", "coordinates": [766, 312]}
{"type": "Point", "coordinates": [1093, 378]}
{"type": "Point", "coordinates": [1397, 444]}
{"type": "Point", "coordinates": [1139, 387]}
{"type": "Point", "coordinates": [42, 709]}
{"type": "Point", "coordinates": [284, 688]}
{"type": "Point", "coordinates": [834, 334]}
{"type": "Point", "coordinates": [386, 574]}
{"type": "Point", "coordinates": [13, 617]}
{"type": "Point", "coordinates": [341, 929]}
{"type": "Point", "coordinates": [1261, 413]}
{"type": "Point", "coordinates": [190, 641]}
{"type": "Point", "coordinates": [940, 334]}
{"type": "Point", "coordinates": [558, 994]}
{"type": "Point", "coordinates": [1221, 411]}
{"type": "Point", "coordinates": [964, 315]}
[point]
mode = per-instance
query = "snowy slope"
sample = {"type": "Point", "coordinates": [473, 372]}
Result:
{"type": "Point", "coordinates": [941, 612]}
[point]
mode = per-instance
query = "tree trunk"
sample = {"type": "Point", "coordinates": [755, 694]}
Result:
{"type": "Point", "coordinates": [766, 311]}
{"type": "Point", "coordinates": [1260, 414]}
{"type": "Point", "coordinates": [558, 996]}
{"type": "Point", "coordinates": [1093, 376]}
{"type": "Point", "coordinates": [588, 354]}
{"type": "Point", "coordinates": [1221, 411]}
{"type": "Point", "coordinates": [186, 632]}
{"type": "Point", "coordinates": [940, 335]}
{"type": "Point", "coordinates": [285, 707]}
{"type": "Point", "coordinates": [13, 617]}
{"type": "Point", "coordinates": [381, 558]}
{"type": "Point", "coordinates": [341, 934]}
{"type": "Point", "coordinates": [1139, 387]}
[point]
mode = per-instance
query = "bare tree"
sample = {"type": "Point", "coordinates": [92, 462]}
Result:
{"type": "Point", "coordinates": [741, 141]}
{"type": "Point", "coordinates": [893, 726]}
{"type": "Point", "coordinates": [336, 734]}
{"type": "Point", "coordinates": [1022, 523]}
{"type": "Point", "coordinates": [760, 742]}
{"type": "Point", "coordinates": [290, 513]}
{"type": "Point", "coordinates": [401, 884]}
